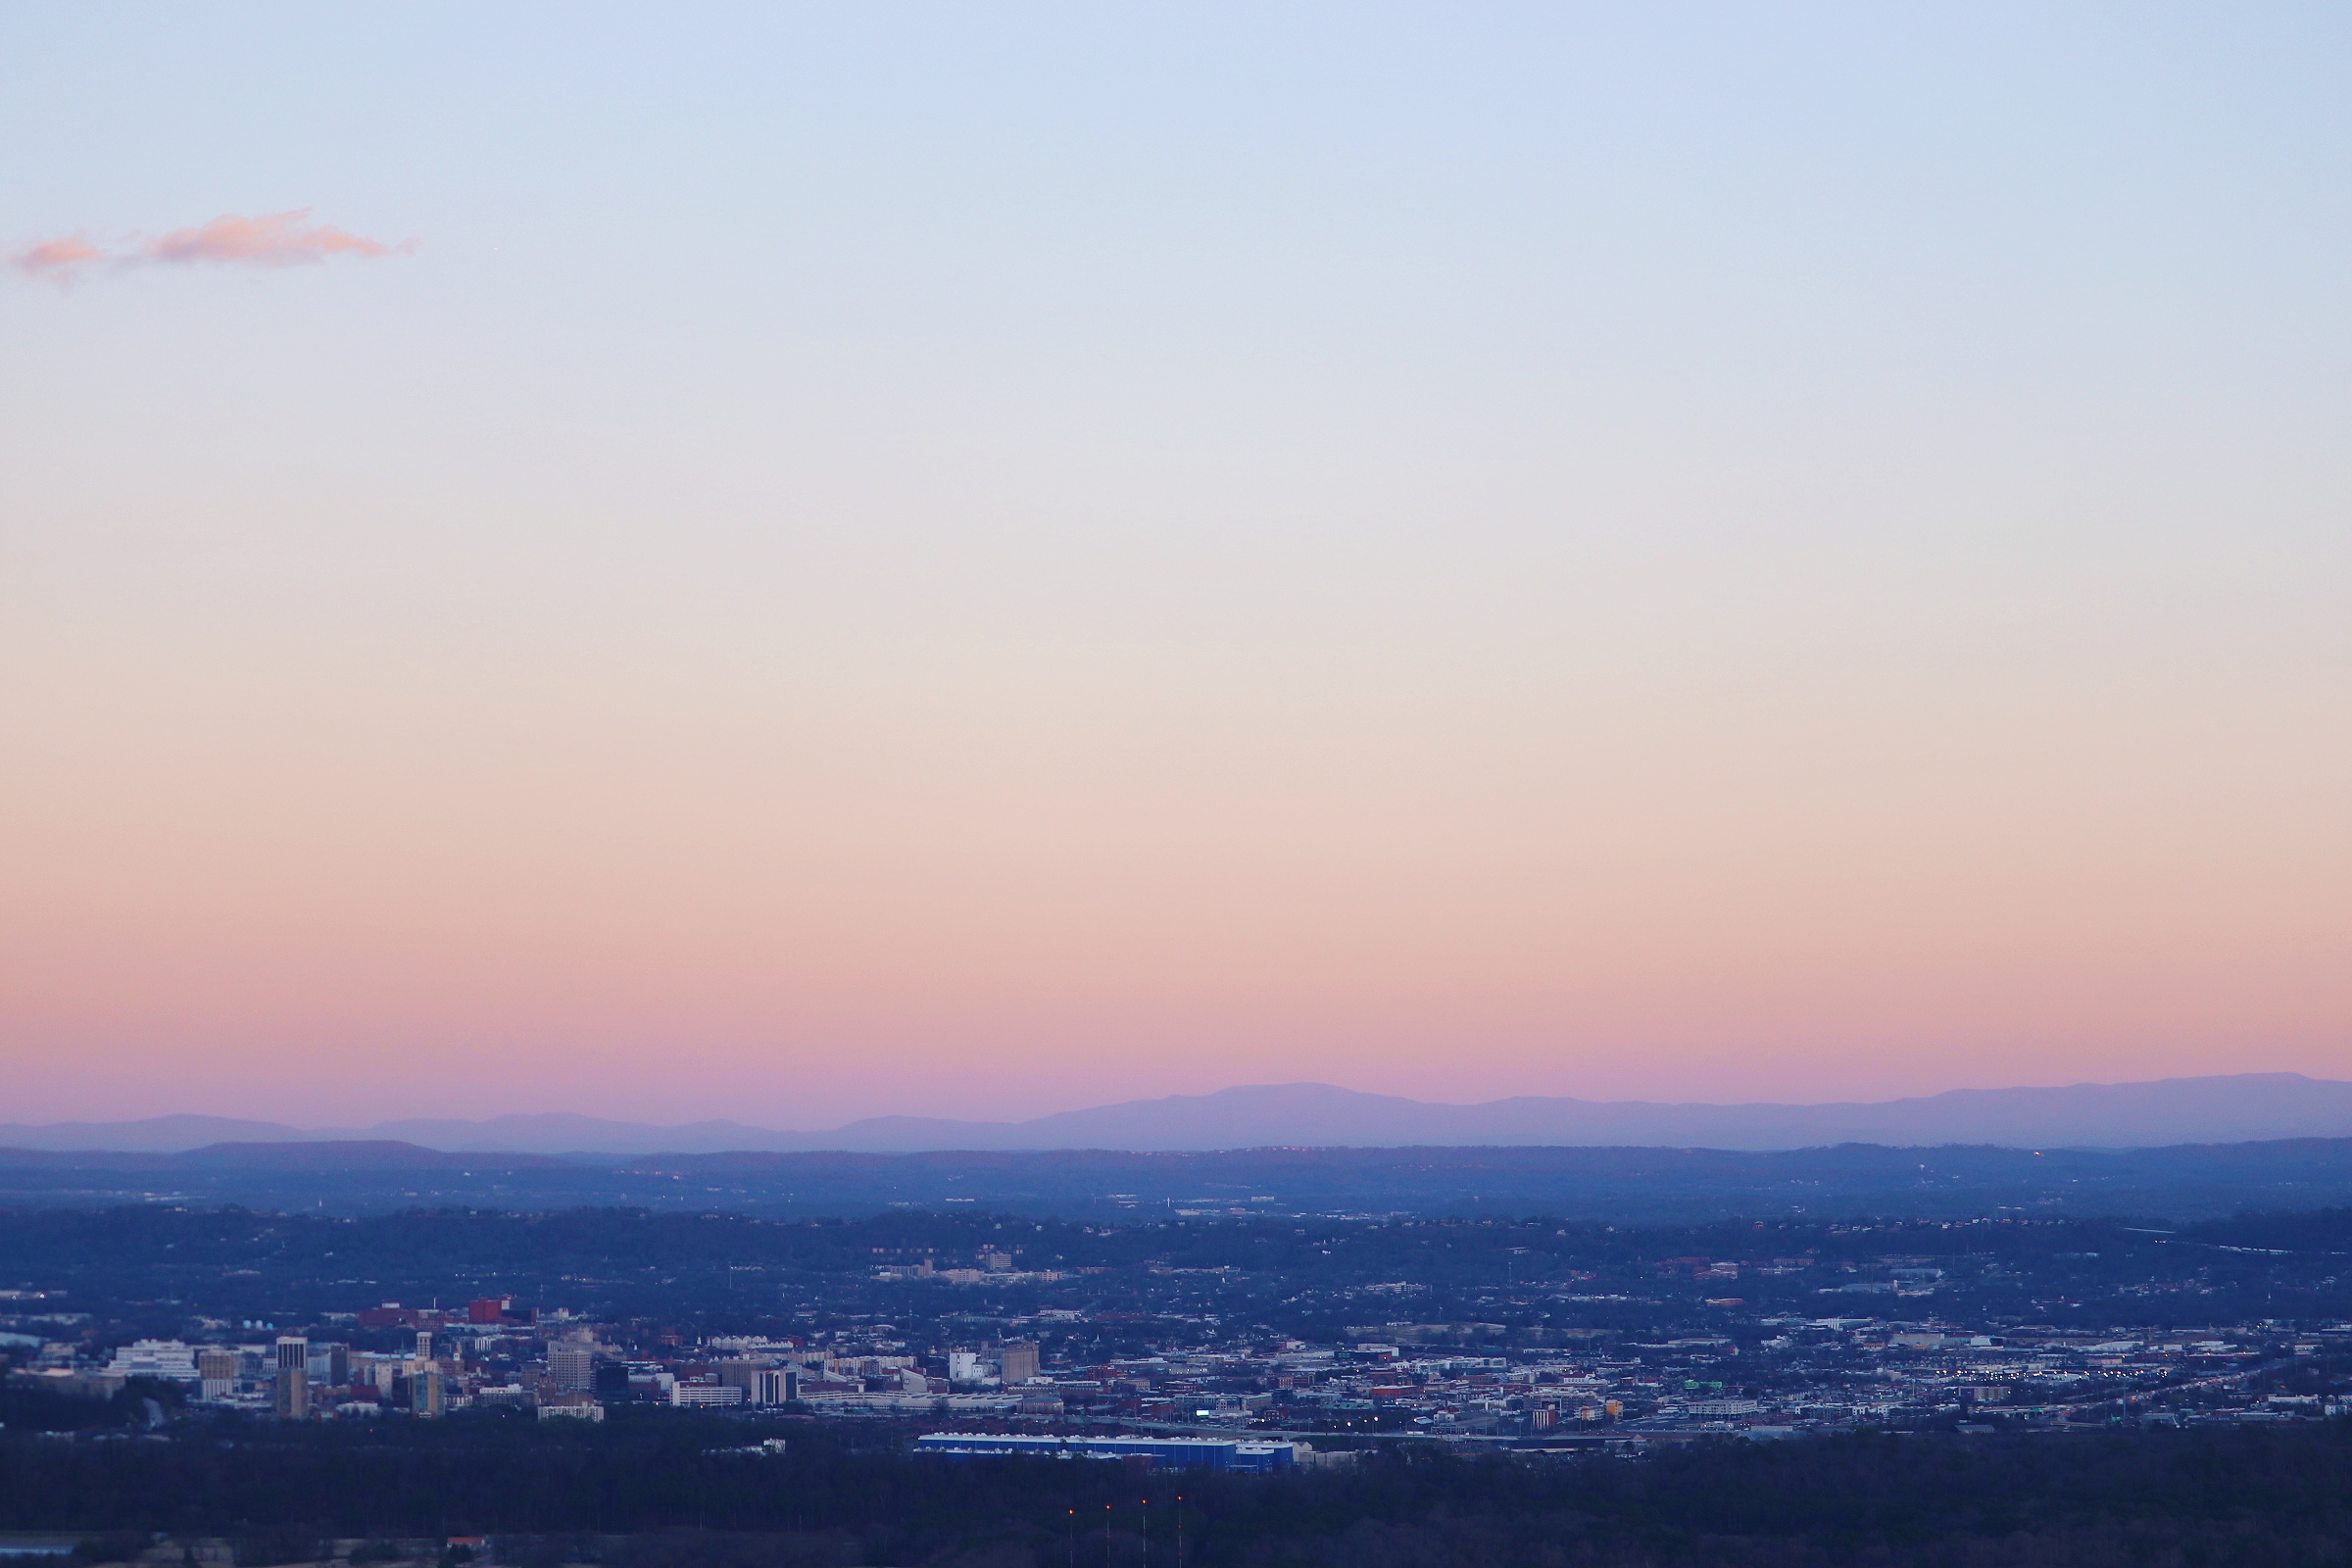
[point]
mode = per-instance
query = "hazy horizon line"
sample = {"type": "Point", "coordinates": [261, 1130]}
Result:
{"type": "Point", "coordinates": [838, 1123]}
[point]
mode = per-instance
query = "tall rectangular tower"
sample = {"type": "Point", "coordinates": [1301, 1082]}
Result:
{"type": "Point", "coordinates": [571, 1364]}
{"type": "Point", "coordinates": [293, 1377]}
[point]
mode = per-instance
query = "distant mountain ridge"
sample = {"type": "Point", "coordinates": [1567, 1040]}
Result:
{"type": "Point", "coordinates": [2224, 1108]}
{"type": "Point", "coordinates": [331, 1154]}
{"type": "Point", "coordinates": [1675, 1184]}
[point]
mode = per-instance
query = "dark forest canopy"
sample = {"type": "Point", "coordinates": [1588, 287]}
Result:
{"type": "Point", "coordinates": [2217, 1497]}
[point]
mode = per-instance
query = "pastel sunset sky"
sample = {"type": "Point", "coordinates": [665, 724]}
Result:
{"type": "Point", "coordinates": [794, 561]}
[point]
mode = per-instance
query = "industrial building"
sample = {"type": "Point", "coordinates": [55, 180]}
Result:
{"type": "Point", "coordinates": [1199, 1454]}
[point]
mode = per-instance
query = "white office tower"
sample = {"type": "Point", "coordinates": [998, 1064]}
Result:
{"type": "Point", "coordinates": [698, 1394]}
{"type": "Point", "coordinates": [155, 1358]}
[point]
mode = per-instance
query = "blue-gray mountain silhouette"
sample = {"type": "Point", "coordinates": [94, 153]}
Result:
{"type": "Point", "coordinates": [2170, 1110]}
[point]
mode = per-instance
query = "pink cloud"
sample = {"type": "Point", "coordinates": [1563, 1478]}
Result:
{"type": "Point", "coordinates": [273, 239]}
{"type": "Point", "coordinates": [279, 239]}
{"type": "Point", "coordinates": [59, 260]}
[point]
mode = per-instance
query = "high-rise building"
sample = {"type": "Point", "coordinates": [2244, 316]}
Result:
{"type": "Point", "coordinates": [571, 1364]}
{"type": "Point", "coordinates": [1016, 1362]}
{"type": "Point", "coordinates": [293, 1377]}
{"type": "Point", "coordinates": [426, 1395]}
{"type": "Point", "coordinates": [741, 1372]}
{"type": "Point", "coordinates": [216, 1372]}
{"type": "Point", "coordinates": [329, 1366]}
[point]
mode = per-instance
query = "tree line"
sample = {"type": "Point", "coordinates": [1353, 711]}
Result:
{"type": "Point", "coordinates": [643, 1495]}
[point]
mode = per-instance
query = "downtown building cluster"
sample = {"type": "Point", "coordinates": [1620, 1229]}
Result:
{"type": "Point", "coordinates": [1788, 1376]}
{"type": "Point", "coordinates": [1361, 1329]}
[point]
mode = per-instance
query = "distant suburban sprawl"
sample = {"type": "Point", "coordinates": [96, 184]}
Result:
{"type": "Point", "coordinates": [1520, 1332]}
{"type": "Point", "coordinates": [638, 1388]}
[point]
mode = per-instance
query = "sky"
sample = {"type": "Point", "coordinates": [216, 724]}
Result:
{"type": "Point", "coordinates": [797, 562]}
